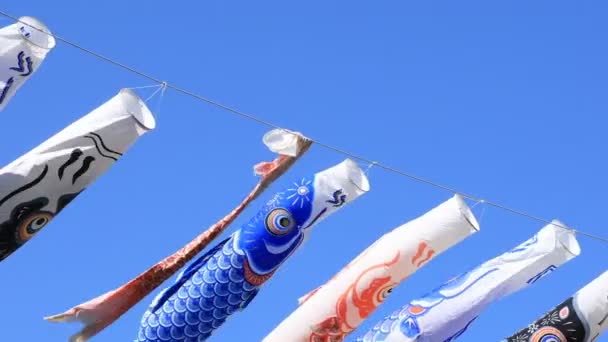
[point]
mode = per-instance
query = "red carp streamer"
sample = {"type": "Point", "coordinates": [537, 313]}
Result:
{"type": "Point", "coordinates": [100, 312]}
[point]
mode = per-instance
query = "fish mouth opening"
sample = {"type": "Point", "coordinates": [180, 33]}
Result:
{"type": "Point", "coordinates": [338, 185]}
{"type": "Point", "coordinates": [282, 141]}
{"type": "Point", "coordinates": [135, 106]}
{"type": "Point", "coordinates": [566, 238]}
{"type": "Point", "coordinates": [356, 175]}
{"type": "Point", "coordinates": [466, 211]}
{"type": "Point", "coordinates": [44, 39]}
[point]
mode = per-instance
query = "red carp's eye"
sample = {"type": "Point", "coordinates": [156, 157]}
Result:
{"type": "Point", "coordinates": [279, 222]}
{"type": "Point", "coordinates": [30, 224]}
{"type": "Point", "coordinates": [384, 293]}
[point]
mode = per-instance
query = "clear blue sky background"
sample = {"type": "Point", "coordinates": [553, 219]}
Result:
{"type": "Point", "coordinates": [505, 100]}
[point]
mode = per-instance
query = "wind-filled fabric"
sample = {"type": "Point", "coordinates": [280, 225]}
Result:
{"type": "Point", "coordinates": [100, 312]}
{"type": "Point", "coordinates": [22, 51]}
{"type": "Point", "coordinates": [445, 313]}
{"type": "Point", "coordinates": [334, 310]}
{"type": "Point", "coordinates": [227, 277]}
{"type": "Point", "coordinates": [580, 318]}
{"type": "Point", "coordinates": [39, 184]}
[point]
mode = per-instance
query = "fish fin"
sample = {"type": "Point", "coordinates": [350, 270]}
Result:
{"type": "Point", "coordinates": [183, 276]}
{"type": "Point", "coordinates": [245, 303]}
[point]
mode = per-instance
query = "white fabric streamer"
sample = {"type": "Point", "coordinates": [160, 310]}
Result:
{"type": "Point", "coordinates": [447, 312]}
{"type": "Point", "coordinates": [335, 309]}
{"type": "Point", "coordinates": [22, 50]}
{"type": "Point", "coordinates": [39, 184]}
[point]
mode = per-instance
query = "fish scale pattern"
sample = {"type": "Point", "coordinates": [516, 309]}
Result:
{"type": "Point", "coordinates": [203, 303]}
{"type": "Point", "coordinates": [382, 329]}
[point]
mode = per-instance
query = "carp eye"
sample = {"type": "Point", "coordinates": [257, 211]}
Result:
{"type": "Point", "coordinates": [30, 224]}
{"type": "Point", "coordinates": [384, 293]}
{"type": "Point", "coordinates": [279, 222]}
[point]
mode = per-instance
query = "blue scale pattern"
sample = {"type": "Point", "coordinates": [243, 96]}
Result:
{"type": "Point", "coordinates": [203, 302]}
{"type": "Point", "coordinates": [382, 329]}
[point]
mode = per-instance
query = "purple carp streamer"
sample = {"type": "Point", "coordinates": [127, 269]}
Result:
{"type": "Point", "coordinates": [22, 50]}
{"type": "Point", "coordinates": [445, 313]}
{"type": "Point", "coordinates": [38, 185]}
{"type": "Point", "coordinates": [337, 308]}
{"type": "Point", "coordinates": [580, 318]}
{"type": "Point", "coordinates": [102, 311]}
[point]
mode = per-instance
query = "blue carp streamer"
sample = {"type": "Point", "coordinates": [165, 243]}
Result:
{"type": "Point", "coordinates": [227, 278]}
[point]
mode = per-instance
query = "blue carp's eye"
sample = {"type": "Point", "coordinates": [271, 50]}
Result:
{"type": "Point", "coordinates": [279, 222]}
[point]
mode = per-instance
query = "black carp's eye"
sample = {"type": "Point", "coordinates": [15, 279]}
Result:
{"type": "Point", "coordinates": [279, 222]}
{"type": "Point", "coordinates": [30, 224]}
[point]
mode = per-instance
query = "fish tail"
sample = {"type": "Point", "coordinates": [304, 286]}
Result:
{"type": "Point", "coordinates": [95, 314]}
{"type": "Point", "coordinates": [86, 333]}
{"type": "Point", "coordinates": [91, 328]}
{"type": "Point", "coordinates": [66, 317]}
{"type": "Point", "coordinates": [75, 315]}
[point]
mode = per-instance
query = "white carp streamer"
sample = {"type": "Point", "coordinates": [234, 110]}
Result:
{"type": "Point", "coordinates": [580, 318]}
{"type": "Point", "coordinates": [446, 312]}
{"type": "Point", "coordinates": [22, 50]}
{"type": "Point", "coordinates": [335, 309]}
{"type": "Point", "coordinates": [38, 185]}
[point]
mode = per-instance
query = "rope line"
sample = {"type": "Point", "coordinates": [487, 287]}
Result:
{"type": "Point", "coordinates": [165, 85]}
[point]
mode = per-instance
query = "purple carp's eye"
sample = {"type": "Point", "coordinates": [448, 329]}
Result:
{"type": "Point", "coordinates": [279, 222]}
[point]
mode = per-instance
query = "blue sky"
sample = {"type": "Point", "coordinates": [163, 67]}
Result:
{"type": "Point", "coordinates": [505, 100]}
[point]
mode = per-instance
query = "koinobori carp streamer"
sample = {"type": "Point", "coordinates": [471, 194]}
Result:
{"type": "Point", "coordinates": [23, 47]}
{"type": "Point", "coordinates": [580, 318]}
{"type": "Point", "coordinates": [227, 278]}
{"type": "Point", "coordinates": [445, 313]}
{"type": "Point", "coordinates": [102, 311]}
{"type": "Point", "coordinates": [337, 308]}
{"type": "Point", "coordinates": [38, 185]}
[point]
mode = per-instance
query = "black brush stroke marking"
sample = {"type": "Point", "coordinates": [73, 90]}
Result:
{"type": "Point", "coordinates": [74, 156]}
{"type": "Point", "coordinates": [316, 218]}
{"type": "Point", "coordinates": [603, 320]}
{"type": "Point", "coordinates": [98, 149]}
{"type": "Point", "coordinates": [86, 164]}
{"type": "Point", "coordinates": [64, 200]}
{"type": "Point", "coordinates": [26, 186]}
{"type": "Point", "coordinates": [103, 144]}
{"type": "Point", "coordinates": [339, 198]}
{"type": "Point", "coordinates": [19, 67]}
{"type": "Point", "coordinates": [8, 86]}
{"type": "Point", "coordinates": [30, 67]}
